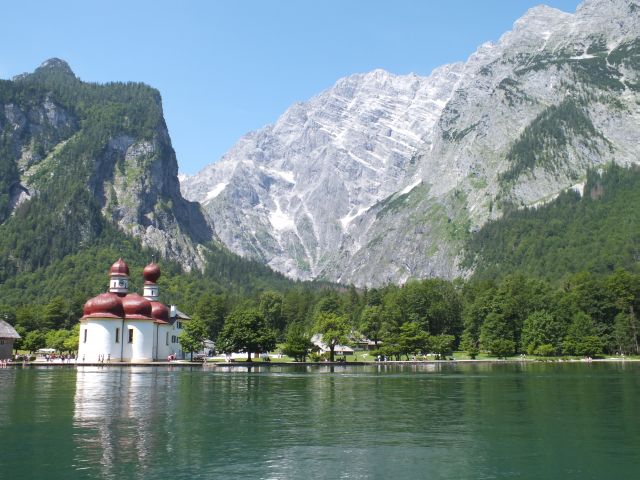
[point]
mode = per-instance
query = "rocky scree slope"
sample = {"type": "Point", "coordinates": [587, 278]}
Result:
{"type": "Point", "coordinates": [73, 154]}
{"type": "Point", "coordinates": [382, 178]}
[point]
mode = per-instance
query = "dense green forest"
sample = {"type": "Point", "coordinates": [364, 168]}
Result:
{"type": "Point", "coordinates": [543, 143]}
{"type": "Point", "coordinates": [596, 232]}
{"type": "Point", "coordinates": [560, 279]}
{"type": "Point", "coordinates": [64, 217]}
{"type": "Point", "coordinates": [586, 314]}
{"type": "Point", "coordinates": [557, 280]}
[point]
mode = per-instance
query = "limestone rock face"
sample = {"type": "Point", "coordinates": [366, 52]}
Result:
{"type": "Point", "coordinates": [382, 177]}
{"type": "Point", "coordinates": [288, 193]}
{"type": "Point", "coordinates": [57, 130]}
{"type": "Point", "coordinates": [137, 183]}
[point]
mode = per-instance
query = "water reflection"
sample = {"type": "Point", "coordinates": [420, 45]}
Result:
{"type": "Point", "coordinates": [383, 421]}
{"type": "Point", "coordinates": [120, 419]}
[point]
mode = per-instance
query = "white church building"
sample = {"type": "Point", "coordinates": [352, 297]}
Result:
{"type": "Point", "coordinates": [120, 326]}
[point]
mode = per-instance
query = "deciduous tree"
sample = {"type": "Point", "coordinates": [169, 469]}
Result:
{"type": "Point", "coordinates": [297, 343]}
{"type": "Point", "coordinates": [270, 305]}
{"type": "Point", "coordinates": [193, 336]}
{"type": "Point", "coordinates": [371, 322]}
{"type": "Point", "coordinates": [412, 340]}
{"type": "Point", "coordinates": [541, 328]}
{"type": "Point", "coordinates": [442, 345]}
{"type": "Point", "coordinates": [33, 341]}
{"type": "Point", "coordinates": [333, 328]}
{"type": "Point", "coordinates": [246, 330]}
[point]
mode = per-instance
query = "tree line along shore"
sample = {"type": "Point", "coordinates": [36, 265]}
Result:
{"type": "Point", "coordinates": [585, 315]}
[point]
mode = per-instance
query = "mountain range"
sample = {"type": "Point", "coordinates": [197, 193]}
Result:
{"type": "Point", "coordinates": [384, 177]}
{"type": "Point", "coordinates": [379, 179]}
{"type": "Point", "coordinates": [87, 175]}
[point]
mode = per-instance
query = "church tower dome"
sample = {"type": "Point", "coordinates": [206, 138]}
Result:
{"type": "Point", "coordinates": [119, 277]}
{"type": "Point", "coordinates": [151, 274]}
{"type": "Point", "coordinates": [88, 307]}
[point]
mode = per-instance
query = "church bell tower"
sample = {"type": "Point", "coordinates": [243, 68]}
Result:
{"type": "Point", "coordinates": [119, 277]}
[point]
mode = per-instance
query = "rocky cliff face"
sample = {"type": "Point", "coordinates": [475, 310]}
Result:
{"type": "Point", "coordinates": [62, 137]}
{"type": "Point", "coordinates": [287, 194]}
{"type": "Point", "coordinates": [382, 178]}
{"type": "Point", "coordinates": [137, 185]}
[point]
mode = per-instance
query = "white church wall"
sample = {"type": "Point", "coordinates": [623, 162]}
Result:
{"type": "Point", "coordinates": [143, 340]}
{"type": "Point", "coordinates": [98, 338]}
{"type": "Point", "coordinates": [165, 347]}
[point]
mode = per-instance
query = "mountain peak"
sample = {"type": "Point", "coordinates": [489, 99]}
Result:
{"type": "Point", "coordinates": [540, 18]}
{"type": "Point", "coordinates": [542, 11]}
{"type": "Point", "coordinates": [55, 65]}
{"type": "Point", "coordinates": [384, 177]}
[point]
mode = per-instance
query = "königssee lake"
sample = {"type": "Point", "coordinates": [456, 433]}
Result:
{"type": "Point", "coordinates": [454, 421]}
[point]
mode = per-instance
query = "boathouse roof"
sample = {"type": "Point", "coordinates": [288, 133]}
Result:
{"type": "Point", "coordinates": [7, 331]}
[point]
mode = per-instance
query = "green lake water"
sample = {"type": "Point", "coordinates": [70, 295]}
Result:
{"type": "Point", "coordinates": [475, 421]}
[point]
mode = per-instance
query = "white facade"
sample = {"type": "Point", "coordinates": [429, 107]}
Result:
{"type": "Point", "coordinates": [97, 337]}
{"type": "Point", "coordinates": [167, 341]}
{"type": "Point", "coordinates": [108, 339]}
{"type": "Point", "coordinates": [123, 327]}
{"type": "Point", "coordinates": [141, 347]}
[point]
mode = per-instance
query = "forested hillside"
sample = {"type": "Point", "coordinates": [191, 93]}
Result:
{"type": "Point", "coordinates": [597, 232]}
{"type": "Point", "coordinates": [76, 158]}
{"type": "Point", "coordinates": [88, 171]}
{"type": "Point", "coordinates": [88, 175]}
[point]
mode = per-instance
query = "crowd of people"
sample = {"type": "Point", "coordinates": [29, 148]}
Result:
{"type": "Point", "coordinates": [63, 358]}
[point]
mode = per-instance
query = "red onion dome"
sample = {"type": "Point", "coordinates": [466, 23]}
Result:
{"type": "Point", "coordinates": [151, 273]}
{"type": "Point", "coordinates": [136, 307]}
{"type": "Point", "coordinates": [159, 312]}
{"type": "Point", "coordinates": [88, 307]}
{"type": "Point", "coordinates": [105, 305]}
{"type": "Point", "coordinates": [119, 268]}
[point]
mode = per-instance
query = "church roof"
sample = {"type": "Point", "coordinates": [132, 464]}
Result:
{"type": "Point", "coordinates": [181, 315]}
{"type": "Point", "coordinates": [159, 312]}
{"type": "Point", "coordinates": [151, 273]}
{"type": "Point", "coordinates": [105, 305]}
{"type": "Point", "coordinates": [136, 307]}
{"type": "Point", "coordinates": [119, 268]}
{"type": "Point", "coordinates": [7, 331]}
{"type": "Point", "coordinates": [131, 306]}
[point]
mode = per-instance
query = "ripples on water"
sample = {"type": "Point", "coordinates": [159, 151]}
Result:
{"type": "Point", "coordinates": [419, 421]}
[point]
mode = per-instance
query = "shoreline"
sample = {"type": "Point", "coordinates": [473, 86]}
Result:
{"type": "Point", "coordinates": [420, 362]}
{"type": "Point", "coordinates": [236, 365]}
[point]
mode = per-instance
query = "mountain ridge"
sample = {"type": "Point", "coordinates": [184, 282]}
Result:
{"type": "Point", "coordinates": [568, 77]}
{"type": "Point", "coordinates": [87, 153]}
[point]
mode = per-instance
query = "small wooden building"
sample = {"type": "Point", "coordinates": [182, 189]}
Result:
{"type": "Point", "coordinates": [324, 348]}
{"type": "Point", "coordinates": [8, 335]}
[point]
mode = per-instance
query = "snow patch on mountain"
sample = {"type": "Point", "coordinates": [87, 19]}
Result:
{"type": "Point", "coordinates": [215, 191]}
{"type": "Point", "coordinates": [382, 177]}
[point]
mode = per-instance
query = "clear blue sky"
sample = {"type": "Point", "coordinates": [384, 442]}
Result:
{"type": "Point", "coordinates": [225, 68]}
